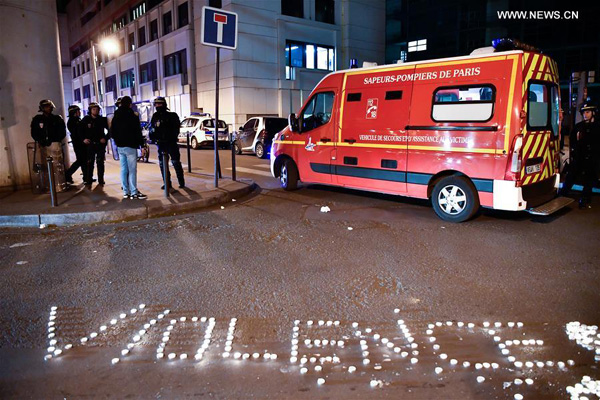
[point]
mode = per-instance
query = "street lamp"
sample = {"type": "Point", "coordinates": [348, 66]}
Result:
{"type": "Point", "coordinates": [108, 46]}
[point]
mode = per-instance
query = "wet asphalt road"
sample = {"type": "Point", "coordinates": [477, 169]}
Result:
{"type": "Point", "coordinates": [272, 259]}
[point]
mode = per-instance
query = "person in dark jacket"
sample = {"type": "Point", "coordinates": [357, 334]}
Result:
{"type": "Point", "coordinates": [93, 129]}
{"type": "Point", "coordinates": [585, 154]}
{"type": "Point", "coordinates": [126, 131]}
{"type": "Point", "coordinates": [164, 130]}
{"type": "Point", "coordinates": [77, 141]}
{"type": "Point", "coordinates": [48, 128]}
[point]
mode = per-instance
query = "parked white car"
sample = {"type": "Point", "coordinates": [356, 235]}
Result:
{"type": "Point", "coordinates": [257, 135]}
{"type": "Point", "coordinates": [201, 128]}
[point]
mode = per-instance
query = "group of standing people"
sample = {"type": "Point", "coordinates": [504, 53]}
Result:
{"type": "Point", "coordinates": [91, 134]}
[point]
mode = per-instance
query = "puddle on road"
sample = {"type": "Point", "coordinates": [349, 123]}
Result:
{"type": "Point", "coordinates": [497, 359]}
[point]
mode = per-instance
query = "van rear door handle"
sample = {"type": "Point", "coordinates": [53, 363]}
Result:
{"type": "Point", "coordinates": [351, 141]}
{"type": "Point", "coordinates": [325, 140]}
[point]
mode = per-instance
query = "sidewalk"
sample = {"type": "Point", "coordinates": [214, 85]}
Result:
{"type": "Point", "coordinates": [105, 203]}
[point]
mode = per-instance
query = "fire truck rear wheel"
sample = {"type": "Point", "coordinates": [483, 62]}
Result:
{"type": "Point", "coordinates": [455, 199]}
{"type": "Point", "coordinates": [288, 175]}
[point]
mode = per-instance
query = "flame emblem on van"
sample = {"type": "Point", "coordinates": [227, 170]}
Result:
{"type": "Point", "coordinates": [310, 146]}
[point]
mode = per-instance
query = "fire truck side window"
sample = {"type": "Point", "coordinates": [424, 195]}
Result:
{"type": "Point", "coordinates": [537, 116]}
{"type": "Point", "coordinates": [463, 103]}
{"type": "Point", "coordinates": [318, 111]}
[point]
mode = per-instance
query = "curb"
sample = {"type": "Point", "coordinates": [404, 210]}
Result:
{"type": "Point", "coordinates": [214, 197]}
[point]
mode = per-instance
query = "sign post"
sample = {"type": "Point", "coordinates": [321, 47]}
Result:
{"type": "Point", "coordinates": [219, 30]}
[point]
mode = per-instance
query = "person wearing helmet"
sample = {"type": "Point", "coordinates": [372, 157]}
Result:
{"type": "Point", "coordinates": [164, 130]}
{"type": "Point", "coordinates": [585, 154]}
{"type": "Point", "coordinates": [126, 131]}
{"type": "Point", "coordinates": [77, 141]}
{"type": "Point", "coordinates": [48, 128]}
{"type": "Point", "coordinates": [93, 129]}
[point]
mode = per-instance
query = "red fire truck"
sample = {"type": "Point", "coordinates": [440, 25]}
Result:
{"type": "Point", "coordinates": [465, 132]}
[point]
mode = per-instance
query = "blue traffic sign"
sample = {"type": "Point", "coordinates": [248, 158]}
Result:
{"type": "Point", "coordinates": [219, 28]}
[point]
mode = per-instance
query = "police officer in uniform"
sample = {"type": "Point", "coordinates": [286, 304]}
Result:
{"type": "Point", "coordinates": [164, 129]}
{"type": "Point", "coordinates": [93, 129]}
{"type": "Point", "coordinates": [47, 128]}
{"type": "Point", "coordinates": [585, 154]}
{"type": "Point", "coordinates": [77, 141]}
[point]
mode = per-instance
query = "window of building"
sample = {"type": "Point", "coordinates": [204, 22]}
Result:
{"type": "Point", "coordinates": [182, 15]}
{"type": "Point", "coordinates": [141, 36]}
{"type": "Point", "coordinates": [111, 84]}
{"type": "Point", "coordinates": [88, 16]}
{"type": "Point", "coordinates": [137, 11]}
{"type": "Point", "coordinates": [325, 11]}
{"type": "Point", "coordinates": [322, 57]}
{"type": "Point", "coordinates": [153, 3]}
{"type": "Point", "coordinates": [74, 73]}
{"type": "Point", "coordinates": [317, 112]}
{"type": "Point", "coordinates": [148, 72]}
{"type": "Point", "coordinates": [463, 103]}
{"type": "Point", "coordinates": [105, 32]}
{"type": "Point", "coordinates": [167, 23]}
{"type": "Point", "coordinates": [153, 30]}
{"type": "Point", "coordinates": [215, 3]}
{"type": "Point", "coordinates": [293, 8]}
{"type": "Point", "coordinates": [176, 63]}
{"type": "Point", "coordinates": [86, 92]}
{"type": "Point", "coordinates": [131, 41]}
{"type": "Point", "coordinates": [77, 95]}
{"type": "Point", "coordinates": [87, 64]}
{"type": "Point", "coordinates": [78, 69]}
{"type": "Point", "coordinates": [311, 56]}
{"type": "Point", "coordinates": [127, 79]}
{"type": "Point", "coordinates": [119, 23]}
{"type": "Point", "coordinates": [417, 45]}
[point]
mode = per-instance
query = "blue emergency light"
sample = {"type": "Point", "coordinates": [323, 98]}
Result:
{"type": "Point", "coordinates": [507, 44]}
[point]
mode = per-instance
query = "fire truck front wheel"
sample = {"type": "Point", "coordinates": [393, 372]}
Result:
{"type": "Point", "coordinates": [455, 199]}
{"type": "Point", "coordinates": [288, 175]}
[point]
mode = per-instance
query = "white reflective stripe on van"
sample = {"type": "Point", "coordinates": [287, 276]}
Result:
{"type": "Point", "coordinates": [507, 196]}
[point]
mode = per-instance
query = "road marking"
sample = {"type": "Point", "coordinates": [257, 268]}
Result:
{"type": "Point", "coordinates": [251, 171]}
{"type": "Point", "coordinates": [265, 166]}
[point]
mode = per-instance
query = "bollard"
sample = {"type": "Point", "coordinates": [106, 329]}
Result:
{"type": "Point", "coordinates": [189, 153]}
{"type": "Point", "coordinates": [232, 159]}
{"type": "Point", "coordinates": [53, 197]}
{"type": "Point", "coordinates": [166, 179]}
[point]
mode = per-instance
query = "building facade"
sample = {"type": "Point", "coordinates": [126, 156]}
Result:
{"type": "Point", "coordinates": [566, 31]}
{"type": "Point", "coordinates": [153, 56]}
{"type": "Point", "coordinates": [285, 47]}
